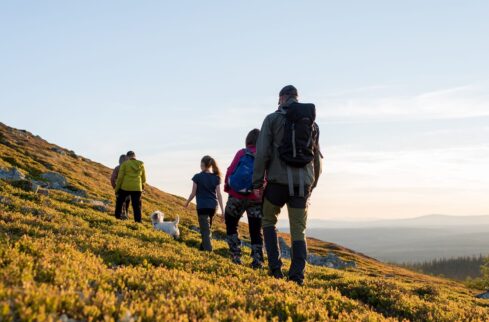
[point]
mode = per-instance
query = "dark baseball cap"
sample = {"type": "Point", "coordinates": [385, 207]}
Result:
{"type": "Point", "coordinates": [288, 90]}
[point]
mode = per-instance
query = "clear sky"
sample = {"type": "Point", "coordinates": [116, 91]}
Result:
{"type": "Point", "coordinates": [401, 88]}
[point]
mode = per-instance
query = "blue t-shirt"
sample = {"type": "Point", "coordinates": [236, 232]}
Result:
{"type": "Point", "coordinates": [206, 189]}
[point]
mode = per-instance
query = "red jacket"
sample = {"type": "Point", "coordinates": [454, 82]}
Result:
{"type": "Point", "coordinates": [230, 171]}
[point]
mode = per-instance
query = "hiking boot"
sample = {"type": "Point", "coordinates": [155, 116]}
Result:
{"type": "Point", "coordinates": [273, 251]}
{"type": "Point", "coordinates": [277, 274]}
{"type": "Point", "coordinates": [234, 244]}
{"type": "Point", "coordinates": [257, 256]}
{"type": "Point", "coordinates": [298, 264]}
{"type": "Point", "coordinates": [297, 281]}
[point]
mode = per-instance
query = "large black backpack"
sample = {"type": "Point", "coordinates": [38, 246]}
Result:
{"type": "Point", "coordinates": [300, 135]}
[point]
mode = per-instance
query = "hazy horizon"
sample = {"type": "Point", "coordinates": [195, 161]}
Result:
{"type": "Point", "coordinates": [402, 91]}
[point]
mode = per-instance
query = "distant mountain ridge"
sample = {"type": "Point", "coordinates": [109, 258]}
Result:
{"type": "Point", "coordinates": [421, 222]}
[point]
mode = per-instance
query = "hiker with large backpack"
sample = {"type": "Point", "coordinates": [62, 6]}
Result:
{"type": "Point", "coordinates": [239, 186]}
{"type": "Point", "coordinates": [288, 154]}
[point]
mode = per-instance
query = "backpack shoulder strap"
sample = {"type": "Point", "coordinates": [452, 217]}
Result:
{"type": "Point", "coordinates": [248, 152]}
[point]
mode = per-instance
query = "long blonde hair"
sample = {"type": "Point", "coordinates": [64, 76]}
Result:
{"type": "Point", "coordinates": [209, 162]}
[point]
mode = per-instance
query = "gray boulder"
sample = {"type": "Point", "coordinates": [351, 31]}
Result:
{"type": "Point", "coordinates": [56, 180]}
{"type": "Point", "coordinates": [284, 248]}
{"type": "Point", "coordinates": [13, 174]}
{"type": "Point", "coordinates": [100, 205]}
{"type": "Point", "coordinates": [484, 295]}
{"type": "Point", "coordinates": [331, 260]}
{"type": "Point", "coordinates": [58, 150]}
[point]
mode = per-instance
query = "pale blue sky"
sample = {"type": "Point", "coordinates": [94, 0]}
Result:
{"type": "Point", "coordinates": [402, 90]}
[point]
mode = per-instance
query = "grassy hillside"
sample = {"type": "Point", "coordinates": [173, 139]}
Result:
{"type": "Point", "coordinates": [62, 259]}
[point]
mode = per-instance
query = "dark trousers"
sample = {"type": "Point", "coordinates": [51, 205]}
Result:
{"type": "Point", "coordinates": [136, 203]}
{"type": "Point", "coordinates": [254, 224]}
{"type": "Point", "coordinates": [205, 224]}
{"type": "Point", "coordinates": [125, 207]}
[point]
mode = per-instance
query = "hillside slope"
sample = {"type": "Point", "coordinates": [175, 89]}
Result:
{"type": "Point", "coordinates": [64, 256]}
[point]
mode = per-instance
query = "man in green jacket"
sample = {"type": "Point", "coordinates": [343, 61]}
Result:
{"type": "Point", "coordinates": [284, 185]}
{"type": "Point", "coordinates": [130, 182]}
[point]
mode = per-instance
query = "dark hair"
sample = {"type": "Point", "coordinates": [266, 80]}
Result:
{"type": "Point", "coordinates": [289, 91]}
{"type": "Point", "coordinates": [131, 154]}
{"type": "Point", "coordinates": [122, 158]}
{"type": "Point", "coordinates": [252, 137]}
{"type": "Point", "coordinates": [209, 162]}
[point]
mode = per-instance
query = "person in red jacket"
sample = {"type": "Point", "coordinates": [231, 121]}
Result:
{"type": "Point", "coordinates": [242, 201]}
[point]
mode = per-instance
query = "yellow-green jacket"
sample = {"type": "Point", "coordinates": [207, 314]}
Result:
{"type": "Point", "coordinates": [131, 176]}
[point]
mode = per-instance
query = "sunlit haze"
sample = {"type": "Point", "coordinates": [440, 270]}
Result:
{"type": "Point", "coordinates": [402, 91]}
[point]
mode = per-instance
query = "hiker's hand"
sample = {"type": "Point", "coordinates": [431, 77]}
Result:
{"type": "Point", "coordinates": [258, 193]}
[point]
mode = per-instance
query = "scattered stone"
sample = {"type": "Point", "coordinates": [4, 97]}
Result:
{"type": "Point", "coordinates": [484, 295]}
{"type": "Point", "coordinates": [77, 200]}
{"type": "Point", "coordinates": [41, 184]}
{"type": "Point", "coordinates": [56, 180]}
{"type": "Point", "coordinates": [96, 204]}
{"type": "Point", "coordinates": [284, 248]}
{"type": "Point", "coordinates": [99, 205]}
{"type": "Point", "coordinates": [331, 260]}
{"type": "Point", "coordinates": [58, 150]}
{"type": "Point", "coordinates": [13, 174]}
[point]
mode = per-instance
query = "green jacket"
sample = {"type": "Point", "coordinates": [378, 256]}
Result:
{"type": "Point", "coordinates": [131, 176]}
{"type": "Point", "coordinates": [268, 162]}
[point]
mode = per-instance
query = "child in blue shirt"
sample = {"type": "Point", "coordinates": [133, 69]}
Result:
{"type": "Point", "coordinates": [207, 188]}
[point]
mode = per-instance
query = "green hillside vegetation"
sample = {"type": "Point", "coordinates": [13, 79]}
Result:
{"type": "Point", "coordinates": [62, 259]}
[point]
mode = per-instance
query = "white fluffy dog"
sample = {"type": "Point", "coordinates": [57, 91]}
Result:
{"type": "Point", "coordinates": [169, 227]}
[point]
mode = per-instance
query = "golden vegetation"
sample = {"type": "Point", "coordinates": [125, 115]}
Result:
{"type": "Point", "coordinates": [62, 260]}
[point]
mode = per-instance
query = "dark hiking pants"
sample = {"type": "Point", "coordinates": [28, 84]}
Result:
{"type": "Point", "coordinates": [205, 224]}
{"type": "Point", "coordinates": [135, 197]}
{"type": "Point", "coordinates": [235, 208]}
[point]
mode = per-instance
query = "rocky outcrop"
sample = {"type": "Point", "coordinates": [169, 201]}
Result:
{"type": "Point", "coordinates": [55, 180]}
{"type": "Point", "coordinates": [331, 260]}
{"type": "Point", "coordinates": [100, 205]}
{"type": "Point", "coordinates": [484, 295]}
{"type": "Point", "coordinates": [13, 174]}
{"type": "Point", "coordinates": [49, 180]}
{"type": "Point", "coordinates": [18, 179]}
{"type": "Point", "coordinates": [58, 150]}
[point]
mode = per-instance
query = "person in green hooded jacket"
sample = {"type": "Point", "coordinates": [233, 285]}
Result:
{"type": "Point", "coordinates": [130, 182]}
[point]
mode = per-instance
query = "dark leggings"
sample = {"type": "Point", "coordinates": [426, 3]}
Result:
{"type": "Point", "coordinates": [205, 223]}
{"type": "Point", "coordinates": [136, 203]}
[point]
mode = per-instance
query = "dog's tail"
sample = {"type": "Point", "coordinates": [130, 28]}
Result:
{"type": "Point", "coordinates": [177, 221]}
